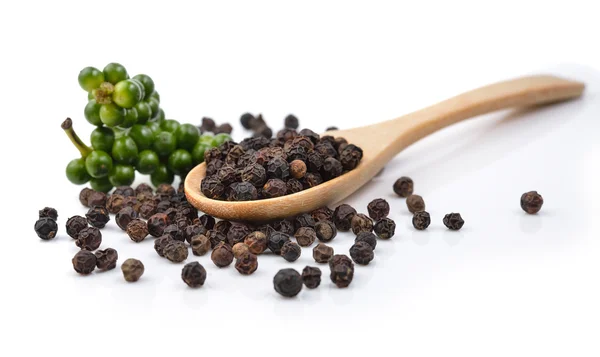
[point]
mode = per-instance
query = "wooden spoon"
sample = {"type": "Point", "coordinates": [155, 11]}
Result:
{"type": "Point", "coordinates": [382, 141]}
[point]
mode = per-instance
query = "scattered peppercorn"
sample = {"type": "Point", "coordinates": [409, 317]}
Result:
{"type": "Point", "coordinates": [84, 195]}
{"type": "Point", "coordinates": [89, 238]}
{"type": "Point", "coordinates": [415, 203]}
{"type": "Point", "coordinates": [125, 215]}
{"type": "Point", "coordinates": [453, 221]}
{"type": "Point", "coordinates": [221, 226]}
{"type": "Point", "coordinates": [98, 216]}
{"type": "Point", "coordinates": [74, 225]}
{"type": "Point", "coordinates": [311, 276]}
{"type": "Point", "coordinates": [378, 209]}
{"type": "Point", "coordinates": [291, 251]}
{"type": "Point", "coordinates": [246, 264]}
{"type": "Point", "coordinates": [106, 259]}
{"type": "Point", "coordinates": [239, 249]}
{"type": "Point", "coordinates": [325, 230]}
{"type": "Point", "coordinates": [286, 226]}
{"type": "Point", "coordinates": [403, 186]}
{"type": "Point", "coordinates": [200, 244]}
{"type": "Point", "coordinates": [297, 169]}
{"type": "Point", "coordinates": [245, 120]}
{"type": "Point", "coordinates": [322, 214]}
{"type": "Point", "coordinates": [322, 253]}
{"type": "Point", "coordinates": [531, 202]}
{"type": "Point", "coordinates": [160, 244]}
{"type": "Point", "coordinates": [342, 217]}
{"type": "Point", "coordinates": [256, 242]}
{"type": "Point", "coordinates": [175, 251]}
{"type": "Point", "coordinates": [291, 122]}
{"type": "Point", "coordinates": [157, 224]}
{"type": "Point", "coordinates": [367, 237]}
{"type": "Point", "coordinates": [96, 198]}
{"type": "Point", "coordinates": [276, 241]}
{"type": "Point", "coordinates": [362, 253]}
{"type": "Point", "coordinates": [115, 203]}
{"type": "Point", "coordinates": [222, 255]}
{"type": "Point", "coordinates": [215, 237]}
{"type": "Point", "coordinates": [342, 270]}
{"type": "Point", "coordinates": [361, 223]}
{"type": "Point", "coordinates": [421, 220]}
{"type": "Point", "coordinates": [137, 230]}
{"type": "Point", "coordinates": [207, 125]}
{"type": "Point", "coordinates": [147, 209]}
{"type": "Point", "coordinates": [287, 282]}
{"type": "Point", "coordinates": [385, 228]}
{"type": "Point", "coordinates": [46, 228]}
{"type": "Point", "coordinates": [305, 236]}
{"type": "Point", "coordinates": [84, 262]}
{"type": "Point", "coordinates": [193, 274]}
{"type": "Point", "coordinates": [274, 188]}
{"type": "Point", "coordinates": [125, 191]}
{"type": "Point", "coordinates": [132, 269]}
{"type": "Point", "coordinates": [48, 212]}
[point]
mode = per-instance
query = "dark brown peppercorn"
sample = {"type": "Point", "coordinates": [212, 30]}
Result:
{"type": "Point", "coordinates": [225, 128]}
{"type": "Point", "coordinates": [274, 188]}
{"type": "Point", "coordinates": [361, 253]}
{"type": "Point", "coordinates": [415, 203]}
{"type": "Point", "coordinates": [322, 214]}
{"type": "Point", "coordinates": [207, 124]}
{"type": "Point", "coordinates": [421, 220]}
{"type": "Point", "coordinates": [89, 238]}
{"type": "Point", "coordinates": [208, 221]}
{"type": "Point", "coordinates": [286, 226]}
{"type": "Point", "coordinates": [84, 195]}
{"type": "Point", "coordinates": [132, 269]}
{"type": "Point", "coordinates": [194, 230]}
{"type": "Point", "coordinates": [243, 191]}
{"type": "Point", "coordinates": [193, 274]}
{"type": "Point", "coordinates": [276, 242]}
{"type": "Point", "coordinates": [96, 199]}
{"type": "Point", "coordinates": [293, 186]}
{"type": "Point", "coordinates": [106, 259]}
{"type": "Point", "coordinates": [132, 202]}
{"type": "Point", "coordinates": [216, 237]}
{"type": "Point", "coordinates": [303, 220]}
{"type": "Point", "coordinates": [311, 179]}
{"type": "Point", "coordinates": [322, 253]}
{"type": "Point", "coordinates": [245, 119]}
{"type": "Point", "coordinates": [237, 233]}
{"type": "Point", "coordinates": [403, 186]}
{"type": "Point", "coordinates": [342, 217]}
{"type": "Point", "coordinates": [342, 270]}
{"type": "Point", "coordinates": [115, 203]}
{"type": "Point", "coordinates": [331, 169]}
{"type": "Point", "coordinates": [246, 264]}
{"type": "Point", "coordinates": [291, 251]}
{"type": "Point", "coordinates": [291, 122]}
{"type": "Point", "coordinates": [314, 161]}
{"type": "Point", "coordinates": [200, 245]}
{"type": "Point", "coordinates": [211, 187]}
{"type": "Point", "coordinates": [378, 209]}
{"type": "Point", "coordinates": [385, 228]}
{"type": "Point", "coordinates": [124, 191]}
{"type": "Point", "coordinates": [84, 262]}
{"type": "Point", "coordinates": [361, 223]}
{"type": "Point", "coordinates": [98, 216]}
{"type": "Point", "coordinates": [147, 209]}
{"type": "Point", "coordinates": [305, 236]}
{"type": "Point", "coordinates": [173, 231]}
{"type": "Point", "coordinates": [171, 214]}
{"type": "Point", "coordinates": [46, 228]}
{"type": "Point", "coordinates": [165, 189]}
{"type": "Point", "coordinates": [137, 230]}
{"type": "Point", "coordinates": [350, 156]}
{"type": "Point", "coordinates": [143, 188]}
{"type": "Point", "coordinates": [297, 169]}
{"type": "Point", "coordinates": [267, 230]}
{"type": "Point", "coordinates": [286, 134]}
{"type": "Point", "coordinates": [325, 231]}
{"type": "Point", "coordinates": [175, 251]}
{"type": "Point", "coordinates": [256, 242]}
{"type": "Point", "coordinates": [453, 221]}
{"type": "Point", "coordinates": [48, 212]}
{"type": "Point", "coordinates": [367, 237]}
{"type": "Point", "coordinates": [311, 277]}
{"type": "Point", "coordinates": [160, 244]}
{"type": "Point", "coordinates": [278, 168]}
{"type": "Point", "coordinates": [213, 167]}
{"type": "Point", "coordinates": [531, 202]}
{"type": "Point", "coordinates": [222, 255]}
{"type": "Point", "coordinates": [239, 249]}
{"type": "Point", "coordinates": [287, 282]}
{"type": "Point", "coordinates": [327, 150]}
{"type": "Point", "coordinates": [125, 215]}
{"type": "Point", "coordinates": [157, 224]}
{"type": "Point", "coordinates": [74, 225]}
{"type": "Point", "coordinates": [227, 175]}
{"type": "Point", "coordinates": [222, 226]}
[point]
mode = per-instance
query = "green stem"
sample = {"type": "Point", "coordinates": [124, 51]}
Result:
{"type": "Point", "coordinates": [67, 126]}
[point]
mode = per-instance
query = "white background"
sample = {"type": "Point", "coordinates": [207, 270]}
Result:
{"type": "Point", "coordinates": [506, 284]}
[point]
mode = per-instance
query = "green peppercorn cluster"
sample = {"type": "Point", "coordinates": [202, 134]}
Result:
{"type": "Point", "coordinates": [132, 133]}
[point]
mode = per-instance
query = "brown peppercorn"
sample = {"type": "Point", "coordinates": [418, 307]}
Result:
{"type": "Point", "coordinates": [361, 223]}
{"type": "Point", "coordinates": [222, 226]}
{"type": "Point", "coordinates": [322, 214]}
{"type": "Point", "coordinates": [147, 209]}
{"type": "Point", "coordinates": [246, 264]}
{"type": "Point", "coordinates": [193, 230]}
{"type": "Point", "coordinates": [305, 236]}
{"type": "Point", "coordinates": [216, 237]}
{"type": "Point", "coordinates": [421, 220]}
{"type": "Point", "coordinates": [274, 188]}
{"type": "Point", "coordinates": [98, 216]}
{"type": "Point", "coordinates": [89, 238]}
{"type": "Point", "coordinates": [208, 222]}
{"type": "Point", "coordinates": [84, 195]}
{"type": "Point", "coordinates": [291, 251]}
{"type": "Point", "coordinates": [403, 186]}
{"type": "Point", "coordinates": [84, 262]}
{"type": "Point", "coordinates": [311, 179]}
{"type": "Point", "coordinates": [385, 228]}
{"type": "Point", "coordinates": [237, 233]}
{"type": "Point", "coordinates": [74, 225]}
{"type": "Point", "coordinates": [255, 174]}
{"type": "Point", "coordinates": [125, 191]}
{"type": "Point", "coordinates": [378, 209]}
{"type": "Point", "coordinates": [325, 230]}
{"type": "Point", "coordinates": [165, 189]}
{"type": "Point", "coordinates": [212, 187]}
{"type": "Point", "coordinates": [415, 203]}
{"type": "Point", "coordinates": [322, 253]}
{"type": "Point", "coordinates": [256, 242]}
{"type": "Point", "coordinates": [132, 270]}
{"type": "Point", "coordinates": [137, 230]}
{"type": "Point", "coordinates": [453, 221]}
{"type": "Point", "coordinates": [293, 186]}
{"type": "Point", "coordinates": [200, 244]}
{"type": "Point", "coordinates": [222, 255]}
{"type": "Point", "coordinates": [46, 228]}
{"type": "Point", "coordinates": [286, 226]}
{"type": "Point", "coordinates": [125, 215]}
{"type": "Point", "coordinates": [350, 155]}
{"type": "Point", "coordinates": [342, 217]}
{"type": "Point", "coordinates": [173, 231]}
{"type": "Point", "coordinates": [297, 169]}
{"type": "Point", "coordinates": [276, 241]}
{"type": "Point", "coordinates": [361, 253]}
{"type": "Point", "coordinates": [157, 224]}
{"type": "Point", "coordinates": [239, 249]}
{"type": "Point", "coordinates": [106, 259]}
{"type": "Point", "coordinates": [48, 212]}
{"type": "Point", "coordinates": [132, 202]}
{"type": "Point", "coordinates": [303, 220]}
{"type": "Point", "coordinates": [115, 203]}
{"type": "Point", "coordinates": [342, 270]}
{"type": "Point", "coordinates": [367, 237]}
{"type": "Point", "coordinates": [287, 282]}
{"type": "Point", "coordinates": [193, 274]}
{"type": "Point", "coordinates": [331, 169]}
{"type": "Point", "coordinates": [96, 198]}
{"type": "Point", "coordinates": [311, 276]}
{"type": "Point", "coordinates": [531, 202]}
{"type": "Point", "coordinates": [175, 251]}
{"type": "Point", "coordinates": [160, 244]}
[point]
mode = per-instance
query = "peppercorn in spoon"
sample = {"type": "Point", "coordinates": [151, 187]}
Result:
{"type": "Point", "coordinates": [402, 132]}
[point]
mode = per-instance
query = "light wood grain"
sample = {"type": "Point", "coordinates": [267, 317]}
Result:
{"type": "Point", "coordinates": [382, 141]}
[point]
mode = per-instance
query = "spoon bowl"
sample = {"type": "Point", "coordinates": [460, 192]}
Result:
{"type": "Point", "coordinates": [382, 141]}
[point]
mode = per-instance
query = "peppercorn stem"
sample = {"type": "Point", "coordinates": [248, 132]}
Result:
{"type": "Point", "coordinates": [67, 126]}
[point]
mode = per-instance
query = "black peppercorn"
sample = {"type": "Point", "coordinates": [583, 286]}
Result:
{"type": "Point", "coordinates": [322, 253]}
{"type": "Point", "coordinates": [84, 195]}
{"type": "Point", "coordinates": [208, 221]}
{"type": "Point", "coordinates": [106, 259]}
{"type": "Point", "coordinates": [143, 188]}
{"type": "Point", "coordinates": [211, 187]}
{"type": "Point", "coordinates": [173, 231]}
{"type": "Point", "coordinates": [303, 220]}
{"type": "Point", "coordinates": [193, 274]}
{"type": "Point", "coordinates": [421, 220]}
{"type": "Point", "coordinates": [89, 238]}
{"type": "Point", "coordinates": [305, 236]}
{"type": "Point", "coordinates": [74, 225]}
{"type": "Point", "coordinates": [175, 251]}
{"type": "Point", "coordinates": [332, 128]}
{"type": "Point", "coordinates": [98, 216]}
{"type": "Point", "coordinates": [350, 156]}
{"type": "Point", "coordinates": [453, 221]}
{"type": "Point", "coordinates": [207, 124]}
{"type": "Point", "coordinates": [256, 242]}
{"type": "Point", "coordinates": [137, 230]}
{"type": "Point", "coordinates": [287, 282]}
{"type": "Point", "coordinates": [224, 128]}
{"type": "Point", "coordinates": [222, 255]}
{"type": "Point", "coordinates": [331, 169]}
{"type": "Point", "coordinates": [246, 264]}
{"type": "Point", "coordinates": [311, 277]}
{"type": "Point", "coordinates": [148, 209]}
{"type": "Point", "coordinates": [276, 241]}
{"type": "Point", "coordinates": [237, 233]}
{"type": "Point", "coordinates": [215, 237]}
{"type": "Point", "coordinates": [48, 212]}
{"type": "Point", "coordinates": [325, 230]}
{"type": "Point", "coordinates": [115, 203]}
{"type": "Point", "coordinates": [84, 262]}
{"type": "Point", "coordinates": [132, 202]}
{"type": "Point", "coordinates": [242, 191]}
{"type": "Point", "coordinates": [125, 191]}
{"type": "Point", "coordinates": [132, 269]}
{"type": "Point", "coordinates": [531, 202]}
{"type": "Point", "coordinates": [46, 228]}
{"type": "Point", "coordinates": [403, 186]}
{"type": "Point", "coordinates": [362, 253]}
{"type": "Point", "coordinates": [157, 224]}
{"type": "Point", "coordinates": [160, 244]}
{"type": "Point", "coordinates": [342, 217]}
{"type": "Point", "coordinates": [194, 230]}
{"type": "Point", "coordinates": [361, 223]}
{"type": "Point", "coordinates": [96, 199]}
{"type": "Point", "coordinates": [322, 214]}
{"type": "Point", "coordinates": [165, 189]}
{"type": "Point", "coordinates": [367, 237]}
{"type": "Point", "coordinates": [227, 175]}
{"type": "Point", "coordinates": [291, 122]}
{"type": "Point", "coordinates": [314, 161]}
{"type": "Point", "coordinates": [415, 203]}
{"type": "Point", "coordinates": [378, 209]}
{"type": "Point", "coordinates": [278, 168]}
{"type": "Point", "coordinates": [291, 251]}
{"type": "Point", "coordinates": [245, 119]}
{"type": "Point", "coordinates": [342, 270]}
{"type": "Point", "coordinates": [274, 188]}
{"type": "Point", "coordinates": [385, 228]}
{"type": "Point", "coordinates": [293, 186]}
{"type": "Point", "coordinates": [222, 226]}
{"type": "Point", "coordinates": [286, 226]}
{"type": "Point", "coordinates": [254, 174]}
{"type": "Point", "coordinates": [200, 244]}
{"type": "Point", "coordinates": [125, 215]}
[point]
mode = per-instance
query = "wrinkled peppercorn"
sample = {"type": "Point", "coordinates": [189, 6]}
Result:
{"type": "Point", "coordinates": [115, 203]}
{"type": "Point", "coordinates": [222, 226]}
{"type": "Point", "coordinates": [48, 212]}
{"type": "Point", "coordinates": [96, 198]}
{"type": "Point", "coordinates": [132, 202]}
{"type": "Point", "coordinates": [276, 241]}
{"type": "Point", "coordinates": [194, 230]}
{"type": "Point", "coordinates": [367, 237]}
{"type": "Point", "coordinates": [222, 255]}
{"type": "Point", "coordinates": [287, 282]}
{"type": "Point", "coordinates": [342, 217]}
{"type": "Point", "coordinates": [98, 216]}
{"type": "Point", "coordinates": [362, 253]}
{"type": "Point", "coordinates": [200, 244]}
{"type": "Point", "coordinates": [157, 224]}
{"type": "Point", "coordinates": [165, 189]}
{"type": "Point", "coordinates": [193, 274]}
{"type": "Point", "coordinates": [237, 233]}
{"type": "Point", "coordinates": [385, 228]}
{"type": "Point", "coordinates": [342, 270]}
{"type": "Point", "coordinates": [421, 220]}
{"type": "Point", "coordinates": [242, 191]}
{"type": "Point", "coordinates": [274, 188]}
{"type": "Point", "coordinates": [207, 221]}
{"type": "Point", "coordinates": [211, 187]}
{"type": "Point", "coordinates": [246, 264]}
{"type": "Point", "coordinates": [278, 168]}
{"type": "Point", "coordinates": [106, 259]}
{"type": "Point", "coordinates": [325, 230]}
{"type": "Point", "coordinates": [291, 122]}
{"type": "Point", "coordinates": [173, 231]}
{"type": "Point", "coordinates": [216, 237]}
{"type": "Point", "coordinates": [322, 214]}
{"type": "Point", "coordinates": [74, 225]}
{"type": "Point", "coordinates": [331, 169]}
{"type": "Point", "coordinates": [361, 223]}
{"type": "Point", "coordinates": [453, 221]}
{"type": "Point", "coordinates": [303, 220]}
{"type": "Point", "coordinates": [84, 262]}
{"type": "Point", "coordinates": [175, 251]}
{"type": "Point", "coordinates": [293, 186]}
{"type": "Point", "coordinates": [415, 203]}
{"type": "Point", "coordinates": [124, 191]}
{"type": "Point", "coordinates": [350, 156]}
{"type": "Point", "coordinates": [403, 186]}
{"type": "Point", "coordinates": [148, 209]}
{"type": "Point", "coordinates": [286, 226]}
{"type": "Point", "coordinates": [378, 209]}
{"type": "Point", "coordinates": [255, 174]}
{"type": "Point", "coordinates": [46, 228]}
{"type": "Point", "coordinates": [143, 188]}
{"type": "Point", "coordinates": [132, 269]}
{"type": "Point", "coordinates": [239, 249]}
{"type": "Point", "coordinates": [125, 215]}
{"type": "Point", "coordinates": [305, 236]}
{"type": "Point", "coordinates": [160, 244]}
{"type": "Point", "coordinates": [291, 251]}
{"type": "Point", "coordinates": [84, 195]}
{"type": "Point", "coordinates": [89, 238]}
{"type": "Point", "coordinates": [171, 214]}
{"type": "Point", "coordinates": [297, 169]}
{"type": "Point", "coordinates": [531, 202]}
{"type": "Point", "coordinates": [311, 276]}
{"type": "Point", "coordinates": [207, 124]}
{"type": "Point", "coordinates": [256, 242]}
{"type": "Point", "coordinates": [322, 253]}
{"type": "Point", "coordinates": [137, 230]}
